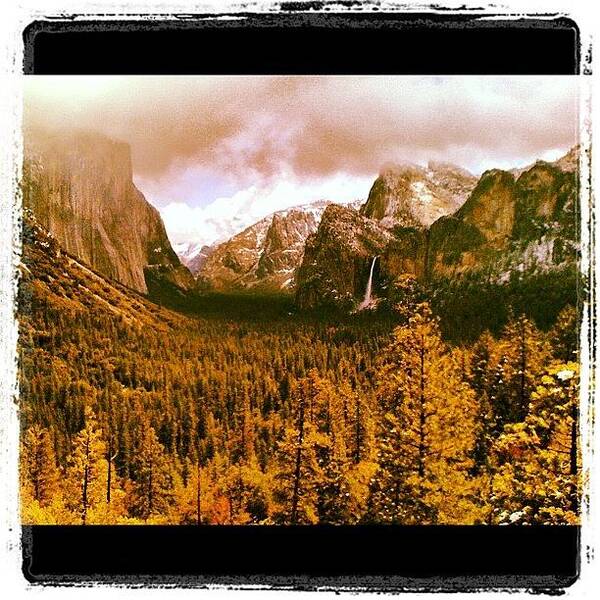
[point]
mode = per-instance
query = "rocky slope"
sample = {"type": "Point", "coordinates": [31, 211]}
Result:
{"type": "Point", "coordinates": [408, 195]}
{"type": "Point", "coordinates": [80, 189]}
{"type": "Point", "coordinates": [50, 278]}
{"type": "Point", "coordinates": [506, 226]}
{"type": "Point", "coordinates": [263, 257]}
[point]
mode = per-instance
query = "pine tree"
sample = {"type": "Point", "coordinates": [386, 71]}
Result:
{"type": "Point", "coordinates": [427, 431]}
{"type": "Point", "coordinates": [247, 493]}
{"type": "Point", "coordinates": [153, 480]}
{"type": "Point", "coordinates": [479, 381]}
{"type": "Point", "coordinates": [564, 335]}
{"type": "Point", "coordinates": [86, 469]}
{"type": "Point", "coordinates": [520, 356]}
{"type": "Point", "coordinates": [41, 494]}
{"type": "Point", "coordinates": [299, 459]}
{"type": "Point", "coordinates": [39, 473]}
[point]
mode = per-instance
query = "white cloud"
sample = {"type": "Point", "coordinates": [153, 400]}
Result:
{"type": "Point", "coordinates": [225, 217]}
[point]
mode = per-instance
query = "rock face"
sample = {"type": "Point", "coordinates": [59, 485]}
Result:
{"type": "Point", "coordinates": [510, 225]}
{"type": "Point", "coordinates": [53, 278]}
{"type": "Point", "coordinates": [338, 257]}
{"type": "Point", "coordinates": [412, 196]}
{"type": "Point", "coordinates": [505, 225]}
{"type": "Point", "coordinates": [264, 257]}
{"type": "Point", "coordinates": [80, 189]}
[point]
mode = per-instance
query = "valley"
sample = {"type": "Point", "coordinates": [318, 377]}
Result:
{"type": "Point", "coordinates": [409, 359]}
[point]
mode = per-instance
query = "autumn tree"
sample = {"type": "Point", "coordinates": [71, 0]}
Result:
{"type": "Point", "coordinates": [153, 478]}
{"type": "Point", "coordinates": [247, 491]}
{"type": "Point", "coordinates": [299, 459]}
{"type": "Point", "coordinates": [405, 296]}
{"type": "Point", "coordinates": [538, 478]}
{"type": "Point", "coordinates": [41, 496]}
{"type": "Point", "coordinates": [479, 381]}
{"type": "Point", "coordinates": [426, 435]}
{"type": "Point", "coordinates": [86, 469]}
{"type": "Point", "coordinates": [519, 358]}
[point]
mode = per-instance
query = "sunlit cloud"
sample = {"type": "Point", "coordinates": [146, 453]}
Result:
{"type": "Point", "coordinates": [258, 142]}
{"type": "Point", "coordinates": [227, 216]}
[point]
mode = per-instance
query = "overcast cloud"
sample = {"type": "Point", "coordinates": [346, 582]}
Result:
{"type": "Point", "coordinates": [233, 149]}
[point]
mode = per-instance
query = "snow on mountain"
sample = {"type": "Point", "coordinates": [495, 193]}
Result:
{"type": "Point", "coordinates": [187, 250]}
{"type": "Point", "coordinates": [193, 254]}
{"type": "Point", "coordinates": [409, 195]}
{"type": "Point", "coordinates": [265, 255]}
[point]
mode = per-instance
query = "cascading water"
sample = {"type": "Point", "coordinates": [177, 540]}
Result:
{"type": "Point", "coordinates": [367, 301]}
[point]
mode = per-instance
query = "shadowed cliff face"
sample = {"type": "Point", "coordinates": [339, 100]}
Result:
{"type": "Point", "coordinates": [338, 257]}
{"type": "Point", "coordinates": [79, 187]}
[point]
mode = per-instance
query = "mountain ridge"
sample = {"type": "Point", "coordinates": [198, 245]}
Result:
{"type": "Point", "coordinates": [265, 255]}
{"type": "Point", "coordinates": [506, 225]}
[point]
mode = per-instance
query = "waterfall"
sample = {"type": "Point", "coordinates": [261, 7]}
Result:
{"type": "Point", "coordinates": [367, 299]}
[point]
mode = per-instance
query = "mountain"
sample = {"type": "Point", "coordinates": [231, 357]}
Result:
{"type": "Point", "coordinates": [510, 225]}
{"type": "Point", "coordinates": [79, 187]}
{"type": "Point", "coordinates": [337, 257]}
{"type": "Point", "coordinates": [569, 163]}
{"type": "Point", "coordinates": [263, 257]}
{"type": "Point", "coordinates": [193, 255]}
{"type": "Point", "coordinates": [409, 195]}
{"type": "Point", "coordinates": [506, 229]}
{"type": "Point", "coordinates": [266, 255]}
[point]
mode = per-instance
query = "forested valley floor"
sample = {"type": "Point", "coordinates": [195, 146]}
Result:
{"type": "Point", "coordinates": [133, 413]}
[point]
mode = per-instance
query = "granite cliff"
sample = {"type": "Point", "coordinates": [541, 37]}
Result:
{"type": "Point", "coordinates": [265, 256]}
{"type": "Point", "coordinates": [500, 227]}
{"type": "Point", "coordinates": [79, 187]}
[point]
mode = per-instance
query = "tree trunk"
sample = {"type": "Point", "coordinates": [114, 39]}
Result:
{"type": "Point", "coordinates": [357, 435]}
{"type": "Point", "coordinates": [198, 518]}
{"type": "Point", "coordinates": [150, 490]}
{"type": "Point", "coordinates": [109, 458]}
{"type": "Point", "coordinates": [573, 469]}
{"type": "Point", "coordinates": [296, 493]}
{"type": "Point", "coordinates": [38, 470]}
{"type": "Point", "coordinates": [522, 404]}
{"type": "Point", "coordinates": [422, 409]}
{"type": "Point", "coordinates": [84, 489]}
{"type": "Point", "coordinates": [490, 519]}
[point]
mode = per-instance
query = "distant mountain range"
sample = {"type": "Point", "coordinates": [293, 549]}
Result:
{"type": "Point", "coordinates": [267, 255]}
{"type": "Point", "coordinates": [193, 254]}
{"type": "Point", "coordinates": [435, 223]}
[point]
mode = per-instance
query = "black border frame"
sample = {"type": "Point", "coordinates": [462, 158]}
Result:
{"type": "Point", "coordinates": [544, 559]}
{"type": "Point", "coordinates": [373, 43]}
{"type": "Point", "coordinates": [382, 558]}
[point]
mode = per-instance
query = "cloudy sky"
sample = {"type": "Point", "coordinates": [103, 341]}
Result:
{"type": "Point", "coordinates": [215, 154]}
